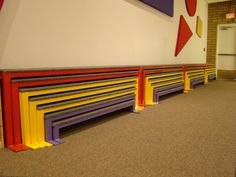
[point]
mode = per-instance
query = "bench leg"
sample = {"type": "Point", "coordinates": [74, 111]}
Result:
{"type": "Point", "coordinates": [56, 137]}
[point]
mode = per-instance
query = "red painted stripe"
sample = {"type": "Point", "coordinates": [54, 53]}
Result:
{"type": "Point", "coordinates": [66, 72]}
{"type": "Point", "coordinates": [141, 95]}
{"type": "Point", "coordinates": [162, 71]}
{"type": "Point", "coordinates": [7, 111]}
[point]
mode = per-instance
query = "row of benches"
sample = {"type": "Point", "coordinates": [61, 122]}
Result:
{"type": "Point", "coordinates": [37, 104]}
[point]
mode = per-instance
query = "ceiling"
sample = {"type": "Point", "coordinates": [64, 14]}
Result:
{"type": "Point", "coordinates": [215, 1]}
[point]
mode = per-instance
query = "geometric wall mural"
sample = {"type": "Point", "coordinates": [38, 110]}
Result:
{"type": "Point", "coordinates": [165, 6]}
{"type": "Point", "coordinates": [191, 6]}
{"type": "Point", "coordinates": [199, 27]}
{"type": "Point", "coordinates": [1, 3]}
{"type": "Point", "coordinates": [184, 34]}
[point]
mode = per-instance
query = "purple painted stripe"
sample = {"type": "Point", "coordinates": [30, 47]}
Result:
{"type": "Point", "coordinates": [73, 111]}
{"type": "Point", "coordinates": [48, 121]}
{"type": "Point", "coordinates": [165, 6]}
{"type": "Point", "coordinates": [69, 76]}
{"type": "Point", "coordinates": [56, 128]}
{"type": "Point", "coordinates": [197, 79]}
{"type": "Point", "coordinates": [72, 84]}
{"type": "Point", "coordinates": [159, 89]}
{"type": "Point", "coordinates": [194, 82]}
{"type": "Point", "coordinates": [75, 100]}
{"type": "Point", "coordinates": [155, 84]}
{"type": "Point", "coordinates": [212, 77]}
{"type": "Point", "coordinates": [165, 92]}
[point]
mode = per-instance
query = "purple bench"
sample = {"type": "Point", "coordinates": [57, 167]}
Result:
{"type": "Point", "coordinates": [82, 111]}
{"type": "Point", "coordinates": [57, 125]}
{"type": "Point", "coordinates": [161, 91]}
{"type": "Point", "coordinates": [212, 77]}
{"type": "Point", "coordinates": [196, 81]}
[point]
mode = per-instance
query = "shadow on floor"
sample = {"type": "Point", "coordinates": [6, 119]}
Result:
{"type": "Point", "coordinates": [73, 129]}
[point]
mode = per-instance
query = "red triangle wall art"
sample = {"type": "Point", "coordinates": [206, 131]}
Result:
{"type": "Point", "coordinates": [1, 3]}
{"type": "Point", "coordinates": [184, 35]}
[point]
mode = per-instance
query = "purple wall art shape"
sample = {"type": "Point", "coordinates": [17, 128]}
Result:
{"type": "Point", "coordinates": [165, 6]}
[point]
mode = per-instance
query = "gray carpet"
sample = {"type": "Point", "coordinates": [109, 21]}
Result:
{"type": "Point", "coordinates": [187, 135]}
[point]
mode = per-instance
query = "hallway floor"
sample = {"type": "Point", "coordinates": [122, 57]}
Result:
{"type": "Point", "coordinates": [187, 135]}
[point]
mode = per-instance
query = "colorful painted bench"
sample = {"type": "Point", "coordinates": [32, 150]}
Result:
{"type": "Point", "coordinates": [193, 75]}
{"type": "Point", "coordinates": [57, 125]}
{"type": "Point", "coordinates": [162, 81]}
{"type": "Point", "coordinates": [13, 81]}
{"type": "Point", "coordinates": [37, 103]}
{"type": "Point", "coordinates": [85, 112]}
{"type": "Point", "coordinates": [210, 73]}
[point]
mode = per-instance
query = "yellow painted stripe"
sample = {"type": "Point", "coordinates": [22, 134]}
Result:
{"type": "Point", "coordinates": [190, 74]}
{"type": "Point", "coordinates": [169, 83]}
{"type": "Point", "coordinates": [147, 92]}
{"type": "Point", "coordinates": [168, 79]}
{"type": "Point", "coordinates": [208, 72]}
{"type": "Point", "coordinates": [195, 77]}
{"type": "Point", "coordinates": [33, 106]}
{"type": "Point", "coordinates": [149, 89]}
{"type": "Point", "coordinates": [40, 117]}
{"type": "Point", "coordinates": [164, 75]}
{"type": "Point", "coordinates": [68, 97]}
{"type": "Point", "coordinates": [206, 78]}
{"type": "Point", "coordinates": [194, 71]}
{"type": "Point", "coordinates": [211, 73]}
{"type": "Point", "coordinates": [64, 89]}
{"type": "Point", "coordinates": [24, 96]}
{"type": "Point", "coordinates": [213, 69]}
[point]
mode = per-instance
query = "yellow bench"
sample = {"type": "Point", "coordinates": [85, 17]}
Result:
{"type": "Point", "coordinates": [32, 119]}
{"type": "Point", "coordinates": [210, 74]}
{"type": "Point", "coordinates": [193, 77]}
{"type": "Point", "coordinates": [155, 81]}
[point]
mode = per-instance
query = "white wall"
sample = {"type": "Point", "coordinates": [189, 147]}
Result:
{"type": "Point", "coordinates": [64, 33]}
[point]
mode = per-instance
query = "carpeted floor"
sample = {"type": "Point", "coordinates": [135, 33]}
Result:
{"type": "Point", "coordinates": [187, 135]}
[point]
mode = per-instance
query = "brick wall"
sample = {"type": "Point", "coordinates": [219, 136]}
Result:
{"type": "Point", "coordinates": [216, 15]}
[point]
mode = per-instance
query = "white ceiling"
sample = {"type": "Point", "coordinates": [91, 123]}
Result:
{"type": "Point", "coordinates": [215, 1]}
